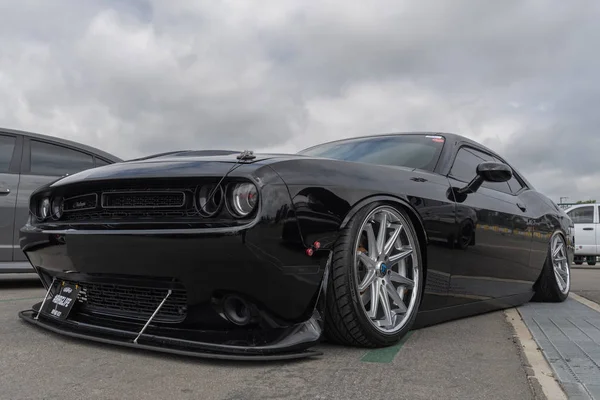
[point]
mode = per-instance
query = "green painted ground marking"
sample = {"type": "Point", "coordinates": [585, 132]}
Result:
{"type": "Point", "coordinates": [386, 354]}
{"type": "Point", "coordinates": [25, 298]}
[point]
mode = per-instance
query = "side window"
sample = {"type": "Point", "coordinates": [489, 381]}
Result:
{"type": "Point", "coordinates": [100, 162]}
{"type": "Point", "coordinates": [465, 168]}
{"type": "Point", "coordinates": [7, 146]}
{"type": "Point", "coordinates": [54, 160]}
{"type": "Point", "coordinates": [582, 215]}
{"type": "Point", "coordinates": [465, 165]}
{"type": "Point", "coordinates": [514, 184]}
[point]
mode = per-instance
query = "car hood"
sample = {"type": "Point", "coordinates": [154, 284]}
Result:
{"type": "Point", "coordinates": [173, 166]}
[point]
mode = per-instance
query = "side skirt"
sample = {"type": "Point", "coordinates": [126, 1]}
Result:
{"type": "Point", "coordinates": [433, 317]}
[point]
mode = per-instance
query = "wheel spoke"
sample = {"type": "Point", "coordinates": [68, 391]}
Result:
{"type": "Point", "coordinates": [381, 234]}
{"type": "Point", "coordinates": [402, 280]}
{"type": "Point", "coordinates": [366, 260]}
{"type": "Point", "coordinates": [557, 249]}
{"type": "Point", "coordinates": [389, 246]}
{"type": "Point", "coordinates": [560, 279]}
{"type": "Point", "coordinates": [369, 278]}
{"type": "Point", "coordinates": [365, 296]}
{"type": "Point", "coordinates": [393, 293]}
{"type": "Point", "coordinates": [375, 289]}
{"type": "Point", "coordinates": [371, 240]}
{"type": "Point", "coordinates": [400, 256]}
{"type": "Point", "coordinates": [387, 309]}
{"type": "Point", "coordinates": [561, 272]}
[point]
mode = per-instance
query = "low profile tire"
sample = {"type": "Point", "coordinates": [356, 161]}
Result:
{"type": "Point", "coordinates": [554, 283]}
{"type": "Point", "coordinates": [376, 279]}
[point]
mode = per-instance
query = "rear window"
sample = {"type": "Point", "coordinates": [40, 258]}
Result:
{"type": "Point", "coordinates": [412, 151]}
{"type": "Point", "coordinates": [55, 160]}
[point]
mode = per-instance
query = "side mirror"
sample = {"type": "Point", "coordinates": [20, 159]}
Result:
{"type": "Point", "coordinates": [487, 172]}
{"type": "Point", "coordinates": [494, 172]}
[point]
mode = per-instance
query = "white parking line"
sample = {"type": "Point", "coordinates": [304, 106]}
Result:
{"type": "Point", "coordinates": [542, 372]}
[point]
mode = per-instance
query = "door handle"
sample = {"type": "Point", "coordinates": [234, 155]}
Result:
{"type": "Point", "coordinates": [588, 229]}
{"type": "Point", "coordinates": [4, 191]}
{"type": "Point", "coordinates": [522, 206]}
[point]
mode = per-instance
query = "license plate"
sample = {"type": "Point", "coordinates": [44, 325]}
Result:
{"type": "Point", "coordinates": [62, 302]}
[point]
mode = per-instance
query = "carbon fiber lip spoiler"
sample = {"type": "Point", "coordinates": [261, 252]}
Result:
{"type": "Point", "coordinates": [156, 343]}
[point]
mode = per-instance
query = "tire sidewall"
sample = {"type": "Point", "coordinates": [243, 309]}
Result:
{"type": "Point", "coordinates": [356, 223]}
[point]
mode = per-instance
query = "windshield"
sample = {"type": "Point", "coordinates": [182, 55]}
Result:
{"type": "Point", "coordinates": [412, 151]}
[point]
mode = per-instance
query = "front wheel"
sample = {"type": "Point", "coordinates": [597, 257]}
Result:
{"type": "Point", "coordinates": [554, 283]}
{"type": "Point", "coordinates": [376, 279]}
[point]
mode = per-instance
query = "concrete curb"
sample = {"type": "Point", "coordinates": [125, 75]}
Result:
{"type": "Point", "coordinates": [593, 305]}
{"type": "Point", "coordinates": [539, 373]}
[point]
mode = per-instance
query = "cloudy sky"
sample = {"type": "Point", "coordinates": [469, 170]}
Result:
{"type": "Point", "coordinates": [136, 77]}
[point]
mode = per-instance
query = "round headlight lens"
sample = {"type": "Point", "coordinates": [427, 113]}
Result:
{"type": "Point", "coordinates": [210, 199]}
{"type": "Point", "coordinates": [45, 208]}
{"type": "Point", "coordinates": [244, 197]}
{"type": "Point", "coordinates": [57, 208]}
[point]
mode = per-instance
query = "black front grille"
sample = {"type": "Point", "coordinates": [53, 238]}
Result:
{"type": "Point", "coordinates": [133, 302]}
{"type": "Point", "coordinates": [148, 200]}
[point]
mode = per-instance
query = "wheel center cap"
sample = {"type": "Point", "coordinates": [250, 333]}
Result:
{"type": "Point", "coordinates": [383, 268]}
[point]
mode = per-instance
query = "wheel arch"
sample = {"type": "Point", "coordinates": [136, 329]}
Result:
{"type": "Point", "coordinates": [412, 214]}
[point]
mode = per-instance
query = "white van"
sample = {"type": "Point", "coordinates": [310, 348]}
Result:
{"type": "Point", "coordinates": [585, 218]}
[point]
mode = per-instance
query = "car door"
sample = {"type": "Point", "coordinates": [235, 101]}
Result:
{"type": "Point", "coordinates": [493, 236]}
{"type": "Point", "coordinates": [585, 219]}
{"type": "Point", "coordinates": [44, 162]}
{"type": "Point", "coordinates": [10, 156]}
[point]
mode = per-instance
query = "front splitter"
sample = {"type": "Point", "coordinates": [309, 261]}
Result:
{"type": "Point", "coordinates": [159, 343]}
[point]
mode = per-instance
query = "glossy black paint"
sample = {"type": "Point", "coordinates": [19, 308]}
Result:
{"type": "Point", "coordinates": [482, 249]}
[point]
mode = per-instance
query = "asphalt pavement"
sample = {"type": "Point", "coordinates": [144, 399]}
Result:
{"type": "Point", "coordinates": [472, 358]}
{"type": "Point", "coordinates": [586, 283]}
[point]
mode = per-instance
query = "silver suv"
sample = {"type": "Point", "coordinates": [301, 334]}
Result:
{"type": "Point", "coordinates": [28, 161]}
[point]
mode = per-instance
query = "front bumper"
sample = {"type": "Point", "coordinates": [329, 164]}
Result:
{"type": "Point", "coordinates": [263, 263]}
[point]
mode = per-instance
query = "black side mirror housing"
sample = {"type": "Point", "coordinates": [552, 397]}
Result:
{"type": "Point", "coordinates": [488, 171]}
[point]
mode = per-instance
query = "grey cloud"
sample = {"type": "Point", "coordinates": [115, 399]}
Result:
{"type": "Point", "coordinates": [148, 76]}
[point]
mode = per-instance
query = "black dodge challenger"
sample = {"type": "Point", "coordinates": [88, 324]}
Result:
{"type": "Point", "coordinates": [236, 255]}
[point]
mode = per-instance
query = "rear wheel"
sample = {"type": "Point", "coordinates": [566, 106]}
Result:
{"type": "Point", "coordinates": [554, 283]}
{"type": "Point", "coordinates": [591, 260]}
{"type": "Point", "coordinates": [376, 279]}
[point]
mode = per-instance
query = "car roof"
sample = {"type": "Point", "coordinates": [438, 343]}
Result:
{"type": "Point", "coordinates": [67, 142]}
{"type": "Point", "coordinates": [446, 135]}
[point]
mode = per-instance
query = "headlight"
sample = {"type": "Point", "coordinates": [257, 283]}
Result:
{"type": "Point", "coordinates": [57, 208]}
{"type": "Point", "coordinates": [209, 200]}
{"type": "Point", "coordinates": [44, 208]}
{"type": "Point", "coordinates": [244, 197]}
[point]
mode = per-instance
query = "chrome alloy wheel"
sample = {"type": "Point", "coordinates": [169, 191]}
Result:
{"type": "Point", "coordinates": [387, 269]}
{"type": "Point", "coordinates": [560, 263]}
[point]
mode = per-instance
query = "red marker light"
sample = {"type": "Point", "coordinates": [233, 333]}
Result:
{"type": "Point", "coordinates": [309, 252]}
{"type": "Point", "coordinates": [317, 245]}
